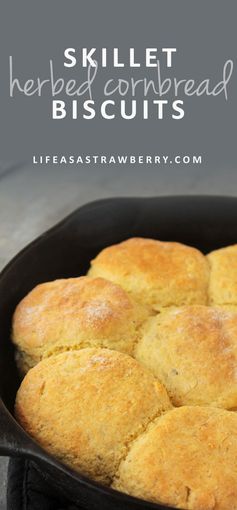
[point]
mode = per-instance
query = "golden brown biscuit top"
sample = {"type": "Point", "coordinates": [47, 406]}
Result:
{"type": "Point", "coordinates": [86, 406]}
{"type": "Point", "coordinates": [187, 459]}
{"type": "Point", "coordinates": [223, 277]}
{"type": "Point", "coordinates": [99, 411]}
{"type": "Point", "coordinates": [75, 312]}
{"type": "Point", "coordinates": [193, 351]}
{"type": "Point", "coordinates": [158, 273]}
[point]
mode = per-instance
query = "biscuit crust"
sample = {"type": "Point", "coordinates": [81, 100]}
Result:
{"type": "Point", "coordinates": [156, 273]}
{"type": "Point", "coordinates": [110, 416]}
{"type": "Point", "coordinates": [85, 407]}
{"type": "Point", "coordinates": [223, 276]}
{"type": "Point", "coordinates": [193, 351]}
{"type": "Point", "coordinates": [71, 314]}
{"type": "Point", "coordinates": [186, 459]}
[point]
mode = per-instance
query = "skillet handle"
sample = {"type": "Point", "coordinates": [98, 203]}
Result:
{"type": "Point", "coordinates": [14, 442]}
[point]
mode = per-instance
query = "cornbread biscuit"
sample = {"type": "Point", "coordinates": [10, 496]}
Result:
{"type": "Point", "coordinates": [187, 459]}
{"type": "Point", "coordinates": [85, 407]}
{"type": "Point", "coordinates": [72, 314]}
{"type": "Point", "coordinates": [156, 273]}
{"type": "Point", "coordinates": [193, 351]}
{"type": "Point", "coordinates": [223, 276]}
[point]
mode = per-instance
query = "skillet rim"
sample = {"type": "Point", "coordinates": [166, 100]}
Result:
{"type": "Point", "coordinates": [40, 454]}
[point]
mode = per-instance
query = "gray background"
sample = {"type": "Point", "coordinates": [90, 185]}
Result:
{"type": "Point", "coordinates": [204, 34]}
{"type": "Point", "coordinates": [33, 198]}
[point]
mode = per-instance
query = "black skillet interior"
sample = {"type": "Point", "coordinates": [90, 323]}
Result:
{"type": "Point", "coordinates": [204, 222]}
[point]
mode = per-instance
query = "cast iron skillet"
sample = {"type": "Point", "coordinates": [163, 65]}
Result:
{"type": "Point", "coordinates": [204, 222]}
